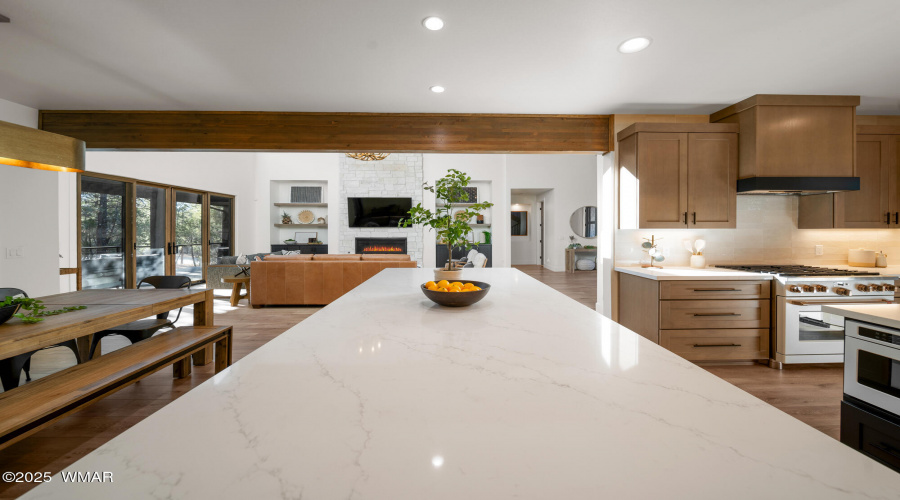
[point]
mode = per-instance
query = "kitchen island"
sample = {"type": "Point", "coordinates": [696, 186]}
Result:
{"type": "Point", "coordinates": [526, 394]}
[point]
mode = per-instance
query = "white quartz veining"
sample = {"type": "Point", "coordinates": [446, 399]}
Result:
{"type": "Point", "coordinates": [879, 314]}
{"type": "Point", "coordinates": [527, 394]}
{"type": "Point", "coordinates": [689, 273]}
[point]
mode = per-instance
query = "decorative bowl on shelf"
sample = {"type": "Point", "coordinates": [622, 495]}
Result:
{"type": "Point", "coordinates": [7, 312]}
{"type": "Point", "coordinates": [290, 242]}
{"type": "Point", "coordinates": [457, 299]}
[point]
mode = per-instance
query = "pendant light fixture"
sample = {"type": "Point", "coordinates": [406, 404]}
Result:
{"type": "Point", "coordinates": [32, 148]}
{"type": "Point", "coordinates": [368, 156]}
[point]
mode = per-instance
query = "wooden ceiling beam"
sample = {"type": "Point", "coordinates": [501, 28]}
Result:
{"type": "Point", "coordinates": [331, 132]}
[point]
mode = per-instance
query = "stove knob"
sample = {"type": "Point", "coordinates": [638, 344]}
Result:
{"type": "Point", "coordinates": [889, 288]}
{"type": "Point", "coordinates": [841, 291]}
{"type": "Point", "coordinates": [862, 288]}
{"type": "Point", "coordinates": [821, 288]}
{"type": "Point", "coordinates": [876, 288]}
{"type": "Point", "coordinates": [809, 289]}
{"type": "Point", "coordinates": [794, 288]}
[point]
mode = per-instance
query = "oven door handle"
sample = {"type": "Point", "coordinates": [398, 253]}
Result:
{"type": "Point", "coordinates": [838, 302]}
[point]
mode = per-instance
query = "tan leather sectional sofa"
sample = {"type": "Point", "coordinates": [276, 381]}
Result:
{"type": "Point", "coordinates": [315, 279]}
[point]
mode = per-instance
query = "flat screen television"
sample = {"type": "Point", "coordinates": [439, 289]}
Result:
{"type": "Point", "coordinates": [377, 212]}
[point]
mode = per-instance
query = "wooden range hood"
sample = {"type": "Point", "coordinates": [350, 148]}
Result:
{"type": "Point", "coordinates": [32, 148]}
{"type": "Point", "coordinates": [795, 144]}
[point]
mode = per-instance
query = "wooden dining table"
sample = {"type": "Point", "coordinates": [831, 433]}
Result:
{"type": "Point", "coordinates": [105, 309]}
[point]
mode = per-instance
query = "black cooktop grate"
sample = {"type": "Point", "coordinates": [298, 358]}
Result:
{"type": "Point", "coordinates": [794, 270]}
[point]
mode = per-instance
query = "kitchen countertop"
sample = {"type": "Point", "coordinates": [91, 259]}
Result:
{"type": "Point", "coordinates": [689, 273]}
{"type": "Point", "coordinates": [526, 394]}
{"type": "Point", "coordinates": [878, 314]}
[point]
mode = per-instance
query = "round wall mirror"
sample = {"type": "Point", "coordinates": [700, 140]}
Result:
{"type": "Point", "coordinates": [584, 222]}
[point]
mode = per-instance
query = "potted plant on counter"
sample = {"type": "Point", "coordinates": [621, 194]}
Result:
{"type": "Point", "coordinates": [451, 226]}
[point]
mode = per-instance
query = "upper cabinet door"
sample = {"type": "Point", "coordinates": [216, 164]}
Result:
{"type": "Point", "coordinates": [712, 180]}
{"type": "Point", "coordinates": [869, 207]}
{"type": "Point", "coordinates": [662, 160]}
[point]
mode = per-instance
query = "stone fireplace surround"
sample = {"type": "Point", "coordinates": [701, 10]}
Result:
{"type": "Point", "coordinates": [399, 175]}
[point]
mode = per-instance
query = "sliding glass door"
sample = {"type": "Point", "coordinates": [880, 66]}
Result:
{"type": "Point", "coordinates": [221, 224]}
{"type": "Point", "coordinates": [131, 230]}
{"type": "Point", "coordinates": [103, 233]}
{"type": "Point", "coordinates": [189, 224]}
{"type": "Point", "coordinates": [150, 231]}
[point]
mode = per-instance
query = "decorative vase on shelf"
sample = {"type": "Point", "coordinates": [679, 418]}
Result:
{"type": "Point", "coordinates": [698, 261]}
{"type": "Point", "coordinates": [285, 218]}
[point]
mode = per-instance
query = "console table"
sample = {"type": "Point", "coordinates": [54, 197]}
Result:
{"type": "Point", "coordinates": [572, 255]}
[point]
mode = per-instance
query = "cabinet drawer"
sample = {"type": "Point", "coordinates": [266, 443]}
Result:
{"type": "Point", "coordinates": [692, 290]}
{"type": "Point", "coordinates": [699, 314]}
{"type": "Point", "coordinates": [871, 434]}
{"type": "Point", "coordinates": [717, 345]}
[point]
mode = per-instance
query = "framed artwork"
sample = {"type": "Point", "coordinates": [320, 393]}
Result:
{"type": "Point", "coordinates": [306, 194]}
{"type": "Point", "coordinates": [473, 194]}
{"type": "Point", "coordinates": [306, 236]}
{"type": "Point", "coordinates": [519, 223]}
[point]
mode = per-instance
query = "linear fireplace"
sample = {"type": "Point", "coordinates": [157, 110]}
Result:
{"type": "Point", "coordinates": [381, 245]}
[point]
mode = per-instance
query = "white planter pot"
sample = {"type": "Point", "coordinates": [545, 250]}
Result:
{"type": "Point", "coordinates": [443, 274]}
{"type": "Point", "coordinates": [698, 261]}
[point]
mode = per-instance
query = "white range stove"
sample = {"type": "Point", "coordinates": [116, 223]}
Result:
{"type": "Point", "coordinates": [802, 332]}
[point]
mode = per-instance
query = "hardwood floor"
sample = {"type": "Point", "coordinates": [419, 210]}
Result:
{"type": "Point", "coordinates": [580, 285]}
{"type": "Point", "coordinates": [811, 393]}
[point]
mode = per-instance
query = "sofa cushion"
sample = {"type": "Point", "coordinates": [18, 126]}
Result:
{"type": "Point", "coordinates": [326, 256]}
{"type": "Point", "coordinates": [298, 256]}
{"type": "Point", "coordinates": [228, 259]}
{"type": "Point", "coordinates": [380, 257]}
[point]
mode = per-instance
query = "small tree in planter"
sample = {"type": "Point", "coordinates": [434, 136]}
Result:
{"type": "Point", "coordinates": [452, 227]}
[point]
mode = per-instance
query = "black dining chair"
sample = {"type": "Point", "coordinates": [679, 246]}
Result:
{"type": "Point", "coordinates": [143, 329]}
{"type": "Point", "coordinates": [11, 368]}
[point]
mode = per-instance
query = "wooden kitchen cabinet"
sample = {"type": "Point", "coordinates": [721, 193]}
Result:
{"type": "Point", "coordinates": [678, 175]}
{"type": "Point", "coordinates": [877, 203]}
{"type": "Point", "coordinates": [700, 320]}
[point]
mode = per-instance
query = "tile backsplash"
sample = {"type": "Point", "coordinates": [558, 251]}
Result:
{"type": "Point", "coordinates": [766, 233]}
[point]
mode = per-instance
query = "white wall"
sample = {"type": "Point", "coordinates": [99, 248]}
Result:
{"type": "Point", "coordinates": [225, 173]}
{"type": "Point", "coordinates": [483, 169]}
{"type": "Point", "coordinates": [572, 181]}
{"type": "Point", "coordinates": [274, 167]}
{"type": "Point", "coordinates": [30, 208]}
{"type": "Point", "coordinates": [524, 249]}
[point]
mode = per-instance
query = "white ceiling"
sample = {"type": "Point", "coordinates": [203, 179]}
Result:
{"type": "Point", "coordinates": [493, 56]}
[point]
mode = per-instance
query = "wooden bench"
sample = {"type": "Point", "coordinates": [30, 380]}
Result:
{"type": "Point", "coordinates": [27, 409]}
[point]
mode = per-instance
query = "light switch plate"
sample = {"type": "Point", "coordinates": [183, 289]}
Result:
{"type": "Point", "coordinates": [820, 250]}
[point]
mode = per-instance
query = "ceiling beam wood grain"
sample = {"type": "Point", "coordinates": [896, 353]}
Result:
{"type": "Point", "coordinates": [331, 132]}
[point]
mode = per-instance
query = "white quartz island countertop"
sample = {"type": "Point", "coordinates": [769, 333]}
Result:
{"type": "Point", "coordinates": [527, 394]}
{"type": "Point", "coordinates": [878, 314]}
{"type": "Point", "coordinates": [688, 273]}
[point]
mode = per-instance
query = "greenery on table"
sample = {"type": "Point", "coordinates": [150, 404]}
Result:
{"type": "Point", "coordinates": [37, 309]}
{"type": "Point", "coordinates": [451, 228]}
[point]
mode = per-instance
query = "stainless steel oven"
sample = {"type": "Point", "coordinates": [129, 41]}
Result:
{"type": "Point", "coordinates": [872, 365]}
{"type": "Point", "coordinates": [806, 334]}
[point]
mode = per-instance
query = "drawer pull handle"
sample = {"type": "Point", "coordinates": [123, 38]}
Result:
{"type": "Point", "coordinates": [717, 314]}
{"type": "Point", "coordinates": [716, 289]}
{"type": "Point", "coordinates": [717, 345]}
{"type": "Point", "coordinates": [886, 448]}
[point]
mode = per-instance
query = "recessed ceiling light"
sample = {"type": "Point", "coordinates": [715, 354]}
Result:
{"type": "Point", "coordinates": [433, 23]}
{"type": "Point", "coordinates": [437, 89]}
{"type": "Point", "coordinates": [633, 45]}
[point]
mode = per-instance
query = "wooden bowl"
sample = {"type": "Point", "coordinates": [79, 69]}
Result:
{"type": "Point", "coordinates": [7, 312]}
{"type": "Point", "coordinates": [458, 299]}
